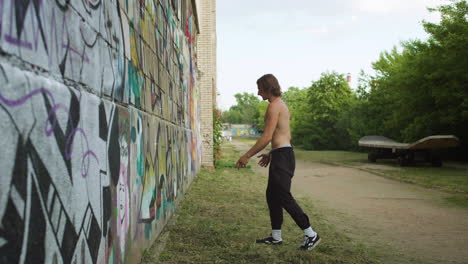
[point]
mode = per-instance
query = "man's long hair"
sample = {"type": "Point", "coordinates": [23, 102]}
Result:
{"type": "Point", "coordinates": [268, 83]}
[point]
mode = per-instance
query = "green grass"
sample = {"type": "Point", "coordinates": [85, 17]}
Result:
{"type": "Point", "coordinates": [246, 140]}
{"type": "Point", "coordinates": [332, 156]}
{"type": "Point", "coordinates": [223, 213]}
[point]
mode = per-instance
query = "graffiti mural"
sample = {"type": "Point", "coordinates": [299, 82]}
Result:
{"type": "Point", "coordinates": [244, 132]}
{"type": "Point", "coordinates": [83, 43]}
{"type": "Point", "coordinates": [53, 208]}
{"type": "Point", "coordinates": [120, 132]}
{"type": "Point", "coordinates": [100, 120]}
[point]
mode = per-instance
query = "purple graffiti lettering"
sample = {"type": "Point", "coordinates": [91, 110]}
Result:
{"type": "Point", "coordinates": [69, 150]}
{"type": "Point", "coordinates": [25, 98]}
{"type": "Point", "coordinates": [18, 42]}
{"type": "Point", "coordinates": [1, 18]}
{"type": "Point", "coordinates": [36, 30]}
{"type": "Point", "coordinates": [82, 56]}
{"type": "Point", "coordinates": [10, 38]}
{"type": "Point", "coordinates": [84, 172]}
{"type": "Point", "coordinates": [51, 122]}
{"type": "Point", "coordinates": [69, 145]}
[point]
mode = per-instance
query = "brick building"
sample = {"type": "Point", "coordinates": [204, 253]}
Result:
{"type": "Point", "coordinates": [207, 66]}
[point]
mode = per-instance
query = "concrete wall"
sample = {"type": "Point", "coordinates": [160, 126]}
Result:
{"type": "Point", "coordinates": [100, 126]}
{"type": "Point", "coordinates": [244, 132]}
{"type": "Point", "coordinates": [240, 130]}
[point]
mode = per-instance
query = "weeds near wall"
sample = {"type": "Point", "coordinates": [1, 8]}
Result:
{"type": "Point", "coordinates": [217, 136]}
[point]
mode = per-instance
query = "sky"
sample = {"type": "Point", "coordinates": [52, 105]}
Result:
{"type": "Point", "coordinates": [297, 40]}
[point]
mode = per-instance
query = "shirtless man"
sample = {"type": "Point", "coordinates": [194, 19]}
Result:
{"type": "Point", "coordinates": [282, 165]}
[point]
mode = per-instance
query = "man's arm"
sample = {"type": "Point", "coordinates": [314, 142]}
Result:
{"type": "Point", "coordinates": [271, 121]}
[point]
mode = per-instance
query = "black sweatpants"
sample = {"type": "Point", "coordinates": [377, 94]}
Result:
{"type": "Point", "coordinates": [278, 193]}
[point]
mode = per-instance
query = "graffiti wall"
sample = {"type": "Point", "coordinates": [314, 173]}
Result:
{"type": "Point", "coordinates": [240, 132]}
{"type": "Point", "coordinates": [99, 118]}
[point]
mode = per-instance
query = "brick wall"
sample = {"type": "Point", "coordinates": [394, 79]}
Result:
{"type": "Point", "coordinates": [207, 65]}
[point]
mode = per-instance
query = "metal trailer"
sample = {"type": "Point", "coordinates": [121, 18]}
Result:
{"type": "Point", "coordinates": [423, 150]}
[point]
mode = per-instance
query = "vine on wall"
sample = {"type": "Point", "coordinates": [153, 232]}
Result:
{"type": "Point", "coordinates": [217, 136]}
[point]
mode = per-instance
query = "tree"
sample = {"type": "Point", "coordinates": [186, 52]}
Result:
{"type": "Point", "coordinates": [316, 122]}
{"type": "Point", "coordinates": [245, 111]}
{"type": "Point", "coordinates": [261, 110]}
{"type": "Point", "coordinates": [363, 117]}
{"type": "Point", "coordinates": [426, 84]}
{"type": "Point", "coordinates": [421, 90]}
{"type": "Point", "coordinates": [232, 117]}
{"type": "Point", "coordinates": [295, 98]}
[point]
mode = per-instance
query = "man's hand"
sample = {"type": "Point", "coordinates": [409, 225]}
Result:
{"type": "Point", "coordinates": [265, 159]}
{"type": "Point", "coordinates": [242, 162]}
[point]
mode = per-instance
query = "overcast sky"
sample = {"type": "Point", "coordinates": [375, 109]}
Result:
{"type": "Point", "coordinates": [297, 40]}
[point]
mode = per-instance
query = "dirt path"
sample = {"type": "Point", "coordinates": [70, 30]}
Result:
{"type": "Point", "coordinates": [404, 222]}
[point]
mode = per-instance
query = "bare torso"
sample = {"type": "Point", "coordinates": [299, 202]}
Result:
{"type": "Point", "coordinates": [282, 133]}
{"type": "Point", "coordinates": [277, 131]}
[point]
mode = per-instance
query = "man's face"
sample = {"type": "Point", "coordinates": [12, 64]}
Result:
{"type": "Point", "coordinates": [262, 93]}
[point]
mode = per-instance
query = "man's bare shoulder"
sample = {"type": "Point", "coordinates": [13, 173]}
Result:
{"type": "Point", "coordinates": [278, 106]}
{"type": "Point", "coordinates": [273, 107]}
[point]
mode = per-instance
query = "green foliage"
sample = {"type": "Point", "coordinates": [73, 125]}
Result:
{"type": "Point", "coordinates": [232, 116]}
{"type": "Point", "coordinates": [295, 99]}
{"type": "Point", "coordinates": [421, 90]}
{"type": "Point", "coordinates": [217, 135]}
{"type": "Point", "coordinates": [317, 113]}
{"type": "Point", "coordinates": [244, 112]}
{"type": "Point", "coordinates": [261, 111]}
{"type": "Point", "coordinates": [367, 111]}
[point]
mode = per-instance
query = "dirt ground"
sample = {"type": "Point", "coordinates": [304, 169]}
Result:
{"type": "Point", "coordinates": [404, 223]}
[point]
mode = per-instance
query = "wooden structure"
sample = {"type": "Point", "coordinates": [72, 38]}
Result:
{"type": "Point", "coordinates": [406, 153]}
